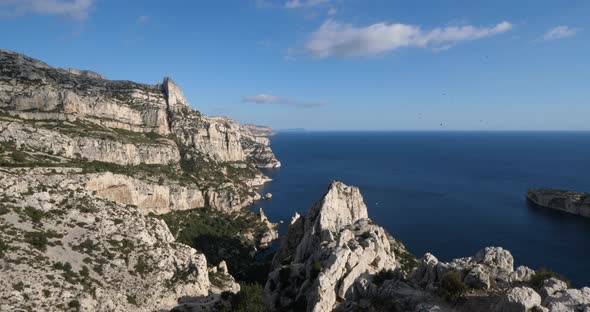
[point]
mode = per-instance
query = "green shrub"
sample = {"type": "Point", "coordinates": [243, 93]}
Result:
{"type": "Point", "coordinates": [74, 304]}
{"type": "Point", "coordinates": [88, 246]}
{"type": "Point", "coordinates": [452, 287]}
{"type": "Point", "coordinates": [215, 234]}
{"type": "Point", "coordinates": [316, 269]}
{"type": "Point", "coordinates": [542, 275]}
{"type": "Point", "coordinates": [20, 286]}
{"type": "Point", "coordinates": [249, 299]}
{"type": "Point", "coordinates": [153, 135]}
{"type": "Point", "coordinates": [3, 248]}
{"type": "Point", "coordinates": [19, 156]}
{"type": "Point", "coordinates": [85, 272]}
{"type": "Point", "coordinates": [37, 240]}
{"type": "Point", "coordinates": [142, 266]}
{"type": "Point", "coordinates": [132, 299]}
{"type": "Point", "coordinates": [34, 214]}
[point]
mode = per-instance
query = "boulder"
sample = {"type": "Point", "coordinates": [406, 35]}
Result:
{"type": "Point", "coordinates": [522, 274]}
{"type": "Point", "coordinates": [519, 299]}
{"type": "Point", "coordinates": [552, 287]}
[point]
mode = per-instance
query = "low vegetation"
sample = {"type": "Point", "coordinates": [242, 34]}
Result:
{"type": "Point", "coordinates": [229, 237]}
{"type": "Point", "coordinates": [3, 248]}
{"type": "Point", "coordinates": [542, 275]}
{"type": "Point", "coordinates": [37, 239]}
{"type": "Point", "coordinates": [249, 299]}
{"type": "Point", "coordinates": [452, 287]}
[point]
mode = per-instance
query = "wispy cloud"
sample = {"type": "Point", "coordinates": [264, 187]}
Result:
{"type": "Point", "coordinates": [337, 39]}
{"type": "Point", "coordinates": [75, 9]}
{"type": "Point", "coordinates": [272, 99]}
{"type": "Point", "coordinates": [560, 32]}
{"type": "Point", "coordinates": [295, 4]}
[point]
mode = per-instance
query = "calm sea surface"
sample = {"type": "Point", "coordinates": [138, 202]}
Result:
{"type": "Point", "coordinates": [448, 193]}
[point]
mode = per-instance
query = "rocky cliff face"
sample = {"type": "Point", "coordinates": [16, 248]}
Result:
{"type": "Point", "coordinates": [335, 258]}
{"type": "Point", "coordinates": [325, 252]}
{"type": "Point", "coordinates": [572, 202]}
{"type": "Point", "coordinates": [63, 248]}
{"type": "Point", "coordinates": [84, 162]}
{"type": "Point", "coordinates": [70, 118]}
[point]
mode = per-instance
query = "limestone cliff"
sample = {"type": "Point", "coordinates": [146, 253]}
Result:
{"type": "Point", "coordinates": [571, 202]}
{"type": "Point", "coordinates": [85, 162]}
{"type": "Point", "coordinates": [73, 118]}
{"type": "Point", "coordinates": [325, 252]}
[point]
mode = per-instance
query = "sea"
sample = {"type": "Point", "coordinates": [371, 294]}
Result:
{"type": "Point", "coordinates": [447, 193]}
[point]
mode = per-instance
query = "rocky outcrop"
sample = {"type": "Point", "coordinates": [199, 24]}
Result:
{"type": "Point", "coordinates": [270, 235]}
{"type": "Point", "coordinates": [325, 252]}
{"type": "Point", "coordinates": [491, 267]}
{"type": "Point", "coordinates": [568, 201]}
{"type": "Point", "coordinates": [334, 258]}
{"type": "Point", "coordinates": [519, 299]}
{"type": "Point", "coordinates": [63, 248]}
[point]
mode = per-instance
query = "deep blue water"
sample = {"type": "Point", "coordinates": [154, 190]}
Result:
{"type": "Point", "coordinates": [448, 193]}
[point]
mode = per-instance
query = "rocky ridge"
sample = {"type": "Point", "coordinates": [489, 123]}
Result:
{"type": "Point", "coordinates": [335, 258]}
{"type": "Point", "coordinates": [70, 118]}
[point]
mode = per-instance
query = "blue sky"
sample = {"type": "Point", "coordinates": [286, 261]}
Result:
{"type": "Point", "coordinates": [332, 64]}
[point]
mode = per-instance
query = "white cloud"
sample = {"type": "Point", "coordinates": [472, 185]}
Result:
{"type": "Point", "coordinates": [560, 32]}
{"type": "Point", "coordinates": [295, 4]}
{"type": "Point", "coordinates": [272, 99]}
{"type": "Point", "coordinates": [337, 39]}
{"type": "Point", "coordinates": [76, 9]}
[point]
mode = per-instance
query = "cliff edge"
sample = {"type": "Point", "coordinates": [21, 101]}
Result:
{"type": "Point", "coordinates": [336, 259]}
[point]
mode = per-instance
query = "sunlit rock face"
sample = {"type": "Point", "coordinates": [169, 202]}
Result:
{"type": "Point", "coordinates": [84, 161]}
{"type": "Point", "coordinates": [325, 252]}
{"type": "Point", "coordinates": [335, 259]}
{"type": "Point", "coordinates": [75, 117]}
{"type": "Point", "coordinates": [65, 247]}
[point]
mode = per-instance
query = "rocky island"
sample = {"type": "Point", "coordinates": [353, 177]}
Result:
{"type": "Point", "coordinates": [572, 202]}
{"type": "Point", "coordinates": [117, 196]}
